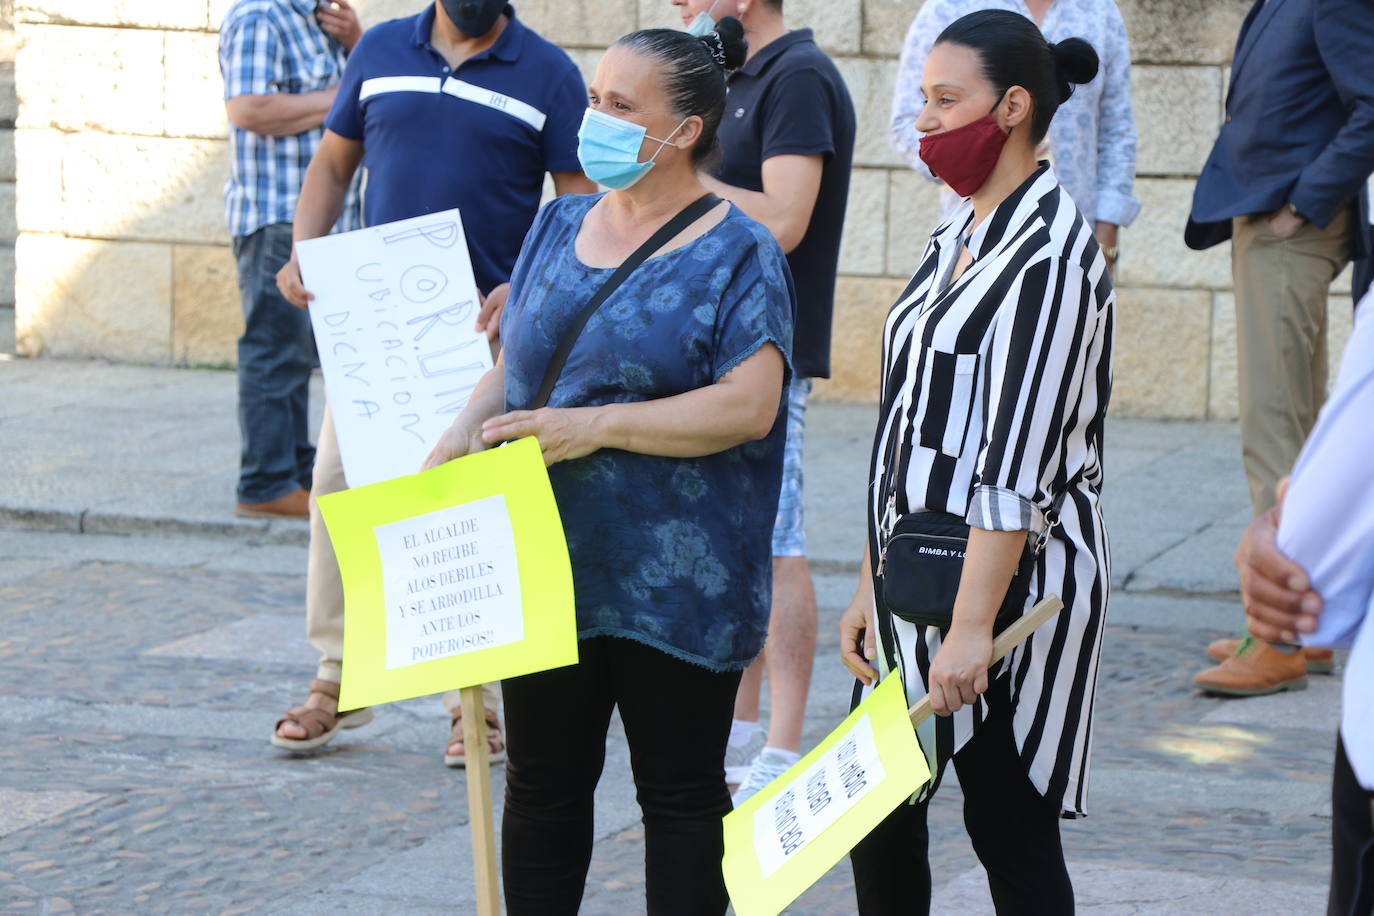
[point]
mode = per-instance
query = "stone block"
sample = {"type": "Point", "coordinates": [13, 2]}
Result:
{"type": "Point", "coordinates": [856, 349]}
{"type": "Point", "coordinates": [885, 25]}
{"type": "Point", "coordinates": [586, 60]}
{"type": "Point", "coordinates": [75, 297]}
{"type": "Point", "coordinates": [218, 9]}
{"type": "Point", "coordinates": [158, 14]}
{"type": "Point", "coordinates": [147, 188]}
{"type": "Point", "coordinates": [1183, 31]}
{"type": "Point", "coordinates": [1177, 116]}
{"type": "Point", "coordinates": [7, 277]}
{"type": "Point", "coordinates": [207, 317]}
{"type": "Point", "coordinates": [8, 225]}
{"type": "Point", "coordinates": [193, 91]}
{"type": "Point", "coordinates": [863, 248]}
{"type": "Point", "coordinates": [1152, 249]}
{"type": "Point", "coordinates": [1160, 367]}
{"type": "Point", "coordinates": [7, 162]}
{"type": "Point", "coordinates": [9, 98]}
{"type": "Point", "coordinates": [78, 79]}
{"type": "Point", "coordinates": [580, 23]}
{"type": "Point", "coordinates": [38, 204]}
{"type": "Point", "coordinates": [837, 23]}
{"type": "Point", "coordinates": [913, 210]}
{"type": "Point", "coordinates": [870, 86]}
{"type": "Point", "coordinates": [661, 14]}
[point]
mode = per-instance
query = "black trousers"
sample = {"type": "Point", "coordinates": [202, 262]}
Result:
{"type": "Point", "coordinates": [677, 721]}
{"type": "Point", "coordinates": [1352, 842]}
{"type": "Point", "coordinates": [1015, 833]}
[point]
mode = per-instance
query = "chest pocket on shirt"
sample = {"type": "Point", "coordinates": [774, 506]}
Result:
{"type": "Point", "coordinates": [310, 73]}
{"type": "Point", "coordinates": [948, 384]}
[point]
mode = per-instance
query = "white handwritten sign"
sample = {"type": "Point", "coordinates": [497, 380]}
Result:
{"type": "Point", "coordinates": [820, 796]}
{"type": "Point", "coordinates": [393, 315]}
{"type": "Point", "coordinates": [451, 582]}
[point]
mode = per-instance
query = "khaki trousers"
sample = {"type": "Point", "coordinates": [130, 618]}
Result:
{"type": "Point", "coordinates": [324, 613]}
{"type": "Point", "coordinates": [1281, 293]}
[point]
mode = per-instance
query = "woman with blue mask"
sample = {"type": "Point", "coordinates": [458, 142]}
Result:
{"type": "Point", "coordinates": [665, 451]}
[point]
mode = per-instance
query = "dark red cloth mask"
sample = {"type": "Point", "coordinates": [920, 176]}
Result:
{"type": "Point", "coordinates": [964, 157]}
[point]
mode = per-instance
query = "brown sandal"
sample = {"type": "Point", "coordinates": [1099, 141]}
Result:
{"type": "Point", "coordinates": [496, 740]}
{"type": "Point", "coordinates": [320, 725]}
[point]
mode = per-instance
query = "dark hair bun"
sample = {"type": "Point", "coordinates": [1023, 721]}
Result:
{"type": "Point", "coordinates": [1075, 63]}
{"type": "Point", "coordinates": [729, 32]}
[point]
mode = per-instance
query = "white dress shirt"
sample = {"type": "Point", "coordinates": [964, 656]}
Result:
{"type": "Point", "coordinates": [1328, 528]}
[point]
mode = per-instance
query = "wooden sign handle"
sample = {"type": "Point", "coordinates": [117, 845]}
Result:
{"type": "Point", "coordinates": [1007, 640]}
{"type": "Point", "coordinates": [481, 819]}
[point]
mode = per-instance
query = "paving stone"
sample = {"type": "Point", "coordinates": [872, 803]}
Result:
{"type": "Point", "coordinates": [19, 810]}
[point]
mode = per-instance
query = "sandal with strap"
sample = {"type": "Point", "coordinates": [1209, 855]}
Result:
{"type": "Point", "coordinates": [320, 725]}
{"type": "Point", "coordinates": [496, 740]}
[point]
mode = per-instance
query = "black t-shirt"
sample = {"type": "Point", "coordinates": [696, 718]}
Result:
{"type": "Point", "coordinates": [789, 99]}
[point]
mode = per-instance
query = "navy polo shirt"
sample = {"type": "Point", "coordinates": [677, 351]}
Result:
{"type": "Point", "coordinates": [479, 138]}
{"type": "Point", "coordinates": [790, 99]}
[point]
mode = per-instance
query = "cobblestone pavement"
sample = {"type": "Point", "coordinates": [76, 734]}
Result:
{"type": "Point", "coordinates": [141, 671]}
{"type": "Point", "coordinates": [136, 777]}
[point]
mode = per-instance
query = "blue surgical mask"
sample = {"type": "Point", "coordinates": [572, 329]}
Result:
{"type": "Point", "coordinates": [608, 149]}
{"type": "Point", "coordinates": [704, 24]}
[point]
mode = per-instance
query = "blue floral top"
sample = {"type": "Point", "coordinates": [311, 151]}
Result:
{"type": "Point", "coordinates": [671, 552]}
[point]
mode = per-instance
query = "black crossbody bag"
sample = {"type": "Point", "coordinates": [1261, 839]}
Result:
{"type": "Point", "coordinates": [670, 230]}
{"type": "Point", "coordinates": [921, 557]}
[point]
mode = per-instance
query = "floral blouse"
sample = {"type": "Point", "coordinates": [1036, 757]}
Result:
{"type": "Point", "coordinates": [670, 552]}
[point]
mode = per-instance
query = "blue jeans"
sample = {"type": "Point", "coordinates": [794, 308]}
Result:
{"type": "Point", "coordinates": [276, 354]}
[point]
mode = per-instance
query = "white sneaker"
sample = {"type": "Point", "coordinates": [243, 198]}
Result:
{"type": "Point", "coordinates": [738, 757]}
{"type": "Point", "coordinates": [767, 766]}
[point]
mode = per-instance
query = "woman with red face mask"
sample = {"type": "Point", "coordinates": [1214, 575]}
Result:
{"type": "Point", "coordinates": [986, 474]}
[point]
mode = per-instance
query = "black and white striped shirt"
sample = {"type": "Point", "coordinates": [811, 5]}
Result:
{"type": "Point", "coordinates": [994, 393]}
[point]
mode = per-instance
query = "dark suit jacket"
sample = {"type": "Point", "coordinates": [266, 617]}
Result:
{"type": "Point", "coordinates": [1299, 119]}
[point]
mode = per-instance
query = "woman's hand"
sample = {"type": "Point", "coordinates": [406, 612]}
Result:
{"type": "Point", "coordinates": [564, 433]}
{"type": "Point", "coordinates": [959, 673]}
{"type": "Point", "coordinates": [458, 440]}
{"type": "Point", "coordinates": [858, 642]}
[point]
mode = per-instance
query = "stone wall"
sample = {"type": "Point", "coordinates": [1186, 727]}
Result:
{"type": "Point", "coordinates": [123, 254]}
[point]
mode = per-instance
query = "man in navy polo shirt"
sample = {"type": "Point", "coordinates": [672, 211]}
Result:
{"type": "Point", "coordinates": [788, 141]}
{"type": "Point", "coordinates": [458, 106]}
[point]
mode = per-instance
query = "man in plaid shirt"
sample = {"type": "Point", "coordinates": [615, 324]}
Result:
{"type": "Point", "coordinates": [281, 61]}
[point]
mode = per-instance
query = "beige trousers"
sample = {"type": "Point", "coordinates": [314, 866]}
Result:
{"type": "Point", "coordinates": [1281, 293]}
{"type": "Point", "coordinates": [324, 614]}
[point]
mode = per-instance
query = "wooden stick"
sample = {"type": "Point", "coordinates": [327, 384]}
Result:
{"type": "Point", "coordinates": [480, 816]}
{"type": "Point", "coordinates": [1007, 640]}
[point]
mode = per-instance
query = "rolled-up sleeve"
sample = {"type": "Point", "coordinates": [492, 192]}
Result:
{"type": "Point", "coordinates": [1045, 349]}
{"type": "Point", "coordinates": [1116, 133]}
{"type": "Point", "coordinates": [907, 101]}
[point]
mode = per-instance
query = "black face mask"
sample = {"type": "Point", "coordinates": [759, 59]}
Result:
{"type": "Point", "coordinates": [474, 18]}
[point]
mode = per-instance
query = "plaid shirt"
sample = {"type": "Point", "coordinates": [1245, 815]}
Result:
{"type": "Point", "coordinates": [266, 47]}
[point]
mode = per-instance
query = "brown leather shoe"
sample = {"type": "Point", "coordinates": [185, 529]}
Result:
{"type": "Point", "coordinates": [1256, 669]}
{"type": "Point", "coordinates": [1319, 661]}
{"type": "Point", "coordinates": [295, 504]}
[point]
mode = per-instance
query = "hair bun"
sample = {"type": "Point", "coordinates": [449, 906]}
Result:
{"type": "Point", "coordinates": [726, 43]}
{"type": "Point", "coordinates": [1075, 63]}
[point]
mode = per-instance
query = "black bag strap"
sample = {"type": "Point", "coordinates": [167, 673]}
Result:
{"type": "Point", "coordinates": [670, 230]}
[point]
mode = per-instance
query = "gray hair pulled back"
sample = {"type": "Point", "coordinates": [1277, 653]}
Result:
{"type": "Point", "coordinates": [692, 70]}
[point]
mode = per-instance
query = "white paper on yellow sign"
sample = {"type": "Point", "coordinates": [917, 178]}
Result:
{"type": "Point", "coordinates": [785, 838]}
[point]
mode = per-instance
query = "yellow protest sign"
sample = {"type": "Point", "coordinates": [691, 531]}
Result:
{"type": "Point", "coordinates": [781, 841]}
{"type": "Point", "coordinates": [454, 577]}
